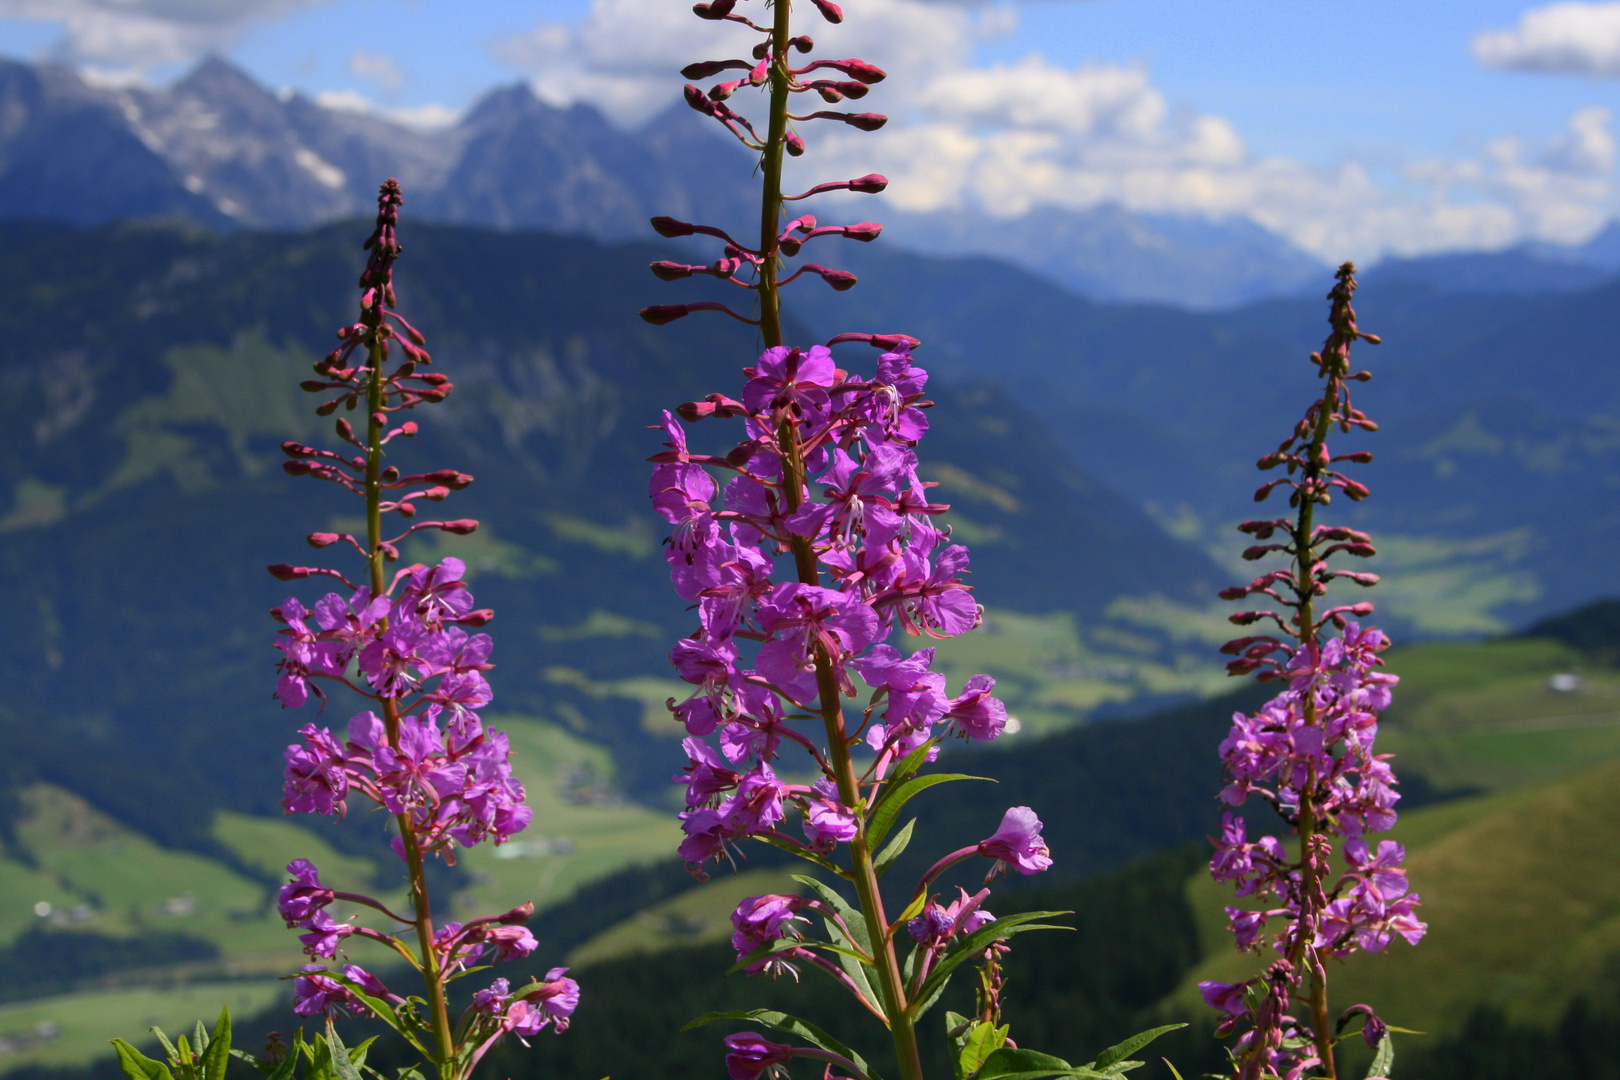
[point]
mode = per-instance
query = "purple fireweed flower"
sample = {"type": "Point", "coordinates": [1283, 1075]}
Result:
{"type": "Point", "coordinates": [759, 919]}
{"type": "Point", "coordinates": [787, 378]}
{"type": "Point", "coordinates": [316, 993]}
{"type": "Point", "coordinates": [304, 895]}
{"type": "Point", "coordinates": [552, 1002]}
{"type": "Point", "coordinates": [317, 780]}
{"type": "Point", "coordinates": [936, 601]}
{"type": "Point", "coordinates": [823, 494]}
{"type": "Point", "coordinates": [1018, 842]}
{"type": "Point", "coordinates": [707, 773]}
{"type": "Point", "coordinates": [368, 982]}
{"type": "Point", "coordinates": [757, 804]}
{"type": "Point", "coordinates": [977, 715]}
{"type": "Point", "coordinates": [416, 773]}
{"type": "Point", "coordinates": [325, 935]}
{"type": "Point", "coordinates": [493, 999]}
{"type": "Point", "coordinates": [706, 834]}
{"type": "Point", "coordinates": [802, 617]}
{"type": "Point", "coordinates": [454, 948]}
{"type": "Point", "coordinates": [511, 942]}
{"type": "Point", "coordinates": [748, 1055]}
{"type": "Point", "coordinates": [939, 923]}
{"type": "Point", "coordinates": [1228, 997]}
{"type": "Point", "coordinates": [828, 822]}
{"type": "Point", "coordinates": [392, 663]}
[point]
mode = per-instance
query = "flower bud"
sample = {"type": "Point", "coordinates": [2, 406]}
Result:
{"type": "Point", "coordinates": [698, 100]}
{"type": "Point", "coordinates": [794, 144]}
{"type": "Point", "coordinates": [707, 69]}
{"type": "Point", "coordinates": [842, 280]}
{"type": "Point", "coordinates": [865, 121]}
{"type": "Point", "coordinates": [829, 11]}
{"type": "Point", "coordinates": [715, 9]}
{"type": "Point", "coordinates": [668, 226]}
{"type": "Point", "coordinates": [662, 314]}
{"type": "Point", "coordinates": [672, 271]}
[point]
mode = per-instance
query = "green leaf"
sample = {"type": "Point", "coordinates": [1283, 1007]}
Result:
{"type": "Point", "coordinates": [913, 909]}
{"type": "Point", "coordinates": [957, 1030]}
{"type": "Point", "coordinates": [853, 919]}
{"type": "Point", "coordinates": [888, 807]}
{"type": "Point", "coordinates": [342, 1064]}
{"type": "Point", "coordinates": [137, 1066]}
{"type": "Point", "coordinates": [983, 1039]}
{"type": "Point", "coordinates": [218, 1052]}
{"type": "Point", "coordinates": [284, 1070]}
{"type": "Point", "coordinates": [1009, 1062]}
{"type": "Point", "coordinates": [852, 960]}
{"type": "Point", "coordinates": [381, 1008]}
{"type": "Point", "coordinates": [199, 1038]}
{"type": "Point", "coordinates": [792, 1025]}
{"type": "Point", "coordinates": [910, 764]}
{"type": "Point", "coordinates": [795, 849]}
{"type": "Point", "coordinates": [1383, 1058]}
{"type": "Point", "coordinates": [1120, 1051]}
{"type": "Point", "coordinates": [168, 1047]}
{"type": "Point", "coordinates": [1173, 1070]}
{"type": "Point", "coordinates": [923, 1002]}
{"type": "Point", "coordinates": [975, 943]}
{"type": "Point", "coordinates": [886, 857]}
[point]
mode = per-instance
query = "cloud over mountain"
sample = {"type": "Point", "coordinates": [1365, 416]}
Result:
{"type": "Point", "coordinates": [133, 35]}
{"type": "Point", "coordinates": [1006, 138]}
{"type": "Point", "coordinates": [1560, 39]}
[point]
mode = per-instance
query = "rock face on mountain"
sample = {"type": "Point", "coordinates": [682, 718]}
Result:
{"type": "Point", "coordinates": [220, 150]}
{"type": "Point", "coordinates": [71, 153]}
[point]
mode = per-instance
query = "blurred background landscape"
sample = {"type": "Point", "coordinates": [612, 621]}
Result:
{"type": "Point", "coordinates": [1117, 295]}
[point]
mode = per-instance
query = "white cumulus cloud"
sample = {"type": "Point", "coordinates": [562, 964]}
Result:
{"type": "Point", "coordinates": [1008, 137]}
{"type": "Point", "coordinates": [1564, 38]}
{"type": "Point", "coordinates": [135, 35]}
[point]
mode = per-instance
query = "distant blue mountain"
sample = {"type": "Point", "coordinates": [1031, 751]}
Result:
{"type": "Point", "coordinates": [218, 149]}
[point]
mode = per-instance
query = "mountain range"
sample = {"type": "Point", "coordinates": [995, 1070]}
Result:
{"type": "Point", "coordinates": [218, 149]}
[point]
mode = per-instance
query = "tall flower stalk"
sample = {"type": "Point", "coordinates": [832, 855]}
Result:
{"type": "Point", "coordinates": [401, 642]}
{"type": "Point", "coordinates": [1308, 754]}
{"type": "Point", "coordinates": [825, 542]}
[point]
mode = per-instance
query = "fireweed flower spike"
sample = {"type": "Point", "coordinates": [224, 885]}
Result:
{"type": "Point", "coordinates": [802, 551]}
{"type": "Point", "coordinates": [1308, 754]}
{"type": "Point", "coordinates": [406, 643]}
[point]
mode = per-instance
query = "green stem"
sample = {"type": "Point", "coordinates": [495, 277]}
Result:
{"type": "Point", "coordinates": [1304, 591]}
{"type": "Point", "coordinates": [891, 987]}
{"type": "Point", "coordinates": [770, 207]}
{"type": "Point", "coordinates": [444, 1057]}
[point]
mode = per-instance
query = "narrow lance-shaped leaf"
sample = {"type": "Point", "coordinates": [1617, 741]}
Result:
{"type": "Point", "coordinates": [1122, 1050]}
{"type": "Point", "coordinates": [894, 849]}
{"type": "Point", "coordinates": [218, 1053]}
{"type": "Point", "coordinates": [889, 807]}
{"type": "Point", "coordinates": [137, 1066]}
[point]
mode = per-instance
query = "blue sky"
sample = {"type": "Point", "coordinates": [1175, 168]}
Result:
{"type": "Point", "coordinates": [1383, 125]}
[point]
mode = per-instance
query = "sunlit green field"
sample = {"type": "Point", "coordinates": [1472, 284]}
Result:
{"type": "Point", "coordinates": [78, 870]}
